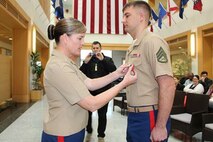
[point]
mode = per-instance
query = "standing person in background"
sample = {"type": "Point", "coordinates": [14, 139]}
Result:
{"type": "Point", "coordinates": [67, 87]}
{"type": "Point", "coordinates": [95, 65]}
{"type": "Point", "coordinates": [150, 99]}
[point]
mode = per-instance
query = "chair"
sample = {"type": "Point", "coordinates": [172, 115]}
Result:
{"type": "Point", "coordinates": [124, 104]}
{"type": "Point", "coordinates": [211, 104]}
{"type": "Point", "coordinates": [178, 100]}
{"type": "Point", "coordinates": [120, 101]}
{"type": "Point", "coordinates": [188, 119]}
{"type": "Point", "coordinates": [207, 134]}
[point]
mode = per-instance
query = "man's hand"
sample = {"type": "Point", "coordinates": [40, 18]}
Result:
{"type": "Point", "coordinates": [158, 134]}
{"type": "Point", "coordinates": [203, 79]}
{"type": "Point", "coordinates": [100, 56]}
{"type": "Point", "coordinates": [88, 58]}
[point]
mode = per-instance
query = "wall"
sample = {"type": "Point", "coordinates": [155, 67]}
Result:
{"type": "Point", "coordinates": [194, 20]}
{"type": "Point", "coordinates": [5, 78]}
{"type": "Point", "coordinates": [118, 57]}
{"type": "Point", "coordinates": [5, 45]}
{"type": "Point", "coordinates": [34, 10]}
{"type": "Point", "coordinates": [105, 38]}
{"type": "Point", "coordinates": [191, 22]}
{"type": "Point", "coordinates": [21, 65]}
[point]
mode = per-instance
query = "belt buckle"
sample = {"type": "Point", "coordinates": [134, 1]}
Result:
{"type": "Point", "coordinates": [137, 110]}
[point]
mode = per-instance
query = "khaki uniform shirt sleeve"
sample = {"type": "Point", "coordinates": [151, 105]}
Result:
{"type": "Point", "coordinates": [84, 77]}
{"type": "Point", "coordinates": [158, 55]}
{"type": "Point", "coordinates": [68, 81]}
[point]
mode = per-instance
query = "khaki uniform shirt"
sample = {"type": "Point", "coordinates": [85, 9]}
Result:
{"type": "Point", "coordinates": [151, 58]}
{"type": "Point", "coordinates": [64, 87]}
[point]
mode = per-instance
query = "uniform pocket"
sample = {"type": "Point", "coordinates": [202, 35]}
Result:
{"type": "Point", "coordinates": [135, 59]}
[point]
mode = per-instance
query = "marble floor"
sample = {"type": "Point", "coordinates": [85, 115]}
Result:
{"type": "Point", "coordinates": [10, 114]}
{"type": "Point", "coordinates": [28, 127]}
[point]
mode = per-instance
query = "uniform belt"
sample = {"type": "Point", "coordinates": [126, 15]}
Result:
{"type": "Point", "coordinates": [142, 108]}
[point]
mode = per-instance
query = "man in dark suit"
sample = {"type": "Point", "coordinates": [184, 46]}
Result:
{"type": "Point", "coordinates": [95, 65]}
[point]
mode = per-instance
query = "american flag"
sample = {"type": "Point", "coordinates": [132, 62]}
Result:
{"type": "Point", "coordinates": [100, 16]}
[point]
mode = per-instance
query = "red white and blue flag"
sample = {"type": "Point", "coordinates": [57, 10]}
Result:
{"type": "Point", "coordinates": [59, 10]}
{"type": "Point", "coordinates": [161, 14]}
{"type": "Point", "coordinates": [171, 8]}
{"type": "Point", "coordinates": [100, 16]}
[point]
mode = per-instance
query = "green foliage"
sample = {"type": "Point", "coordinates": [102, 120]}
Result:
{"type": "Point", "coordinates": [37, 70]}
{"type": "Point", "coordinates": [181, 66]}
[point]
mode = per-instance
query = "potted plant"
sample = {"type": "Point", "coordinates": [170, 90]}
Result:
{"type": "Point", "coordinates": [181, 65]}
{"type": "Point", "coordinates": [37, 69]}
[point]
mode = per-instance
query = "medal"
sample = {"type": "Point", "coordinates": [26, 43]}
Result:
{"type": "Point", "coordinates": [96, 67]}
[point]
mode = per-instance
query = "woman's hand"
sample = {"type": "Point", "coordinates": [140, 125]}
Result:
{"type": "Point", "coordinates": [122, 70]}
{"type": "Point", "coordinates": [130, 77]}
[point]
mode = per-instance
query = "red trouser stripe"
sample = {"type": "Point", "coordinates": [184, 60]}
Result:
{"type": "Point", "coordinates": [152, 119]}
{"type": "Point", "coordinates": [60, 139]}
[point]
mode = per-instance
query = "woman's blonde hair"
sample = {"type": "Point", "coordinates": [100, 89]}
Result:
{"type": "Point", "coordinates": [69, 26]}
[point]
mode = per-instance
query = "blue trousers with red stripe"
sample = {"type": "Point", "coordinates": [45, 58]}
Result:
{"type": "Point", "coordinates": [77, 137]}
{"type": "Point", "coordinates": [140, 125]}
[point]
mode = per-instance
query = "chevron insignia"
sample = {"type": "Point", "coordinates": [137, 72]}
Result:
{"type": "Point", "coordinates": [161, 56]}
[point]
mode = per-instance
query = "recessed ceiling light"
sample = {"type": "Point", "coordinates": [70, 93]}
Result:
{"type": "Point", "coordinates": [10, 38]}
{"type": "Point", "coordinates": [180, 47]}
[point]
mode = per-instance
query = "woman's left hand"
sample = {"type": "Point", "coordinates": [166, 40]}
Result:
{"type": "Point", "coordinates": [122, 70]}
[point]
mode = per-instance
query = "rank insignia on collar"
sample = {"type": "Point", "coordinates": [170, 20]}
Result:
{"type": "Point", "coordinates": [161, 56]}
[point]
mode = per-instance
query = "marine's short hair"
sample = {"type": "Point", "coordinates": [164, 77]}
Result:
{"type": "Point", "coordinates": [142, 4]}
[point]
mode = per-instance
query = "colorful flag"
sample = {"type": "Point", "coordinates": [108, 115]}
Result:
{"type": "Point", "coordinates": [162, 13]}
{"type": "Point", "coordinates": [154, 20]}
{"type": "Point", "coordinates": [59, 10]}
{"type": "Point", "coordinates": [100, 16]}
{"type": "Point", "coordinates": [171, 7]}
{"type": "Point", "coordinates": [198, 5]}
{"type": "Point", "coordinates": [154, 15]}
{"type": "Point", "coordinates": [182, 5]}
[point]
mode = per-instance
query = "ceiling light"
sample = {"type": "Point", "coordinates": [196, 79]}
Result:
{"type": "Point", "coordinates": [10, 38]}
